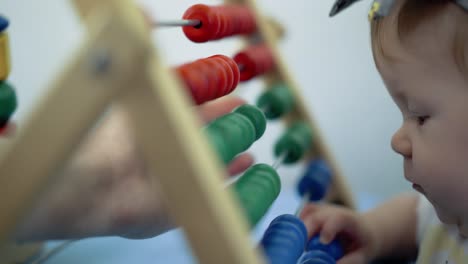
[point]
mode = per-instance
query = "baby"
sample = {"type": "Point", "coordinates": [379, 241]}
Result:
{"type": "Point", "coordinates": [421, 51]}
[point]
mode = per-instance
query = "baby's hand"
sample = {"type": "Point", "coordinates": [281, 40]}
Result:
{"type": "Point", "coordinates": [349, 227]}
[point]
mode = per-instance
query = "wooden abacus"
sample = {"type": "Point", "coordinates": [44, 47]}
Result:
{"type": "Point", "coordinates": [100, 74]}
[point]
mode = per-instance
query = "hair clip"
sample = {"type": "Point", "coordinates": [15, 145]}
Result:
{"type": "Point", "coordinates": [380, 8]}
{"type": "Point", "coordinates": [341, 5]}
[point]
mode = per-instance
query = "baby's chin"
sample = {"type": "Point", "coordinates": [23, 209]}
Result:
{"type": "Point", "coordinates": [463, 228]}
{"type": "Point", "coordinates": [447, 219]}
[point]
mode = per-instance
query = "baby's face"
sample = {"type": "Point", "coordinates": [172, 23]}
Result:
{"type": "Point", "coordinates": [431, 92]}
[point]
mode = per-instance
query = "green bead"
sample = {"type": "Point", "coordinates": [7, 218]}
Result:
{"type": "Point", "coordinates": [8, 102]}
{"type": "Point", "coordinates": [256, 190]}
{"type": "Point", "coordinates": [276, 101]}
{"type": "Point", "coordinates": [256, 116]}
{"type": "Point", "coordinates": [296, 141]}
{"type": "Point", "coordinates": [235, 132]}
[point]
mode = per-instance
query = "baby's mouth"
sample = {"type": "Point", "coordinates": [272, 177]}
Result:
{"type": "Point", "coordinates": [419, 188]}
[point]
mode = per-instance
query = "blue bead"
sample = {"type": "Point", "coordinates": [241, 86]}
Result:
{"type": "Point", "coordinates": [3, 23]}
{"type": "Point", "coordinates": [334, 249]}
{"type": "Point", "coordinates": [316, 257]}
{"type": "Point", "coordinates": [315, 181]}
{"type": "Point", "coordinates": [284, 240]}
{"type": "Point", "coordinates": [296, 224]}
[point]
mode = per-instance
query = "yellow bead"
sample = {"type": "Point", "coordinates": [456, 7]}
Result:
{"type": "Point", "coordinates": [4, 56]}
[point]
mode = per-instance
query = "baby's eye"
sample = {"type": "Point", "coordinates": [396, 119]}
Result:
{"type": "Point", "coordinates": [422, 119]}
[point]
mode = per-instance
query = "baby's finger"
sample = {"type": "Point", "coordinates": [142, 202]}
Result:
{"type": "Point", "coordinates": [214, 109]}
{"type": "Point", "coordinates": [313, 226]}
{"type": "Point", "coordinates": [356, 257]}
{"type": "Point", "coordinates": [314, 222]}
{"type": "Point", "coordinates": [240, 164]}
{"type": "Point", "coordinates": [308, 209]}
{"type": "Point", "coordinates": [332, 227]}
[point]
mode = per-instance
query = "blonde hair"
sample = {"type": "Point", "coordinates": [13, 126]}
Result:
{"type": "Point", "coordinates": [410, 13]}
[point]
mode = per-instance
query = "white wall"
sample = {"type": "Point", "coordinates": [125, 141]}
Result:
{"type": "Point", "coordinates": [330, 59]}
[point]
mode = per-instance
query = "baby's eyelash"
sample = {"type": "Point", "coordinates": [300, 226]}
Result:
{"type": "Point", "coordinates": [422, 119]}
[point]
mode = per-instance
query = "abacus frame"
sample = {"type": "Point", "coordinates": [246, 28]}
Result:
{"type": "Point", "coordinates": [99, 75]}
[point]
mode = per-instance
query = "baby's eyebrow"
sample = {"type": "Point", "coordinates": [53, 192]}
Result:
{"type": "Point", "coordinates": [401, 97]}
{"type": "Point", "coordinates": [400, 92]}
{"type": "Point", "coordinates": [398, 96]}
{"type": "Point", "coordinates": [394, 86]}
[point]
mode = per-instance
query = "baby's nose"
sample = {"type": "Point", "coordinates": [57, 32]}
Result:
{"type": "Point", "coordinates": [401, 143]}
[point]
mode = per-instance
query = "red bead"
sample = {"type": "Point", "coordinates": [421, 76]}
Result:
{"type": "Point", "coordinates": [225, 73]}
{"type": "Point", "coordinates": [216, 84]}
{"type": "Point", "coordinates": [254, 61]}
{"type": "Point", "coordinates": [210, 78]}
{"type": "Point", "coordinates": [218, 22]}
{"type": "Point", "coordinates": [7, 129]}
{"type": "Point", "coordinates": [3, 129]}
{"type": "Point", "coordinates": [235, 70]}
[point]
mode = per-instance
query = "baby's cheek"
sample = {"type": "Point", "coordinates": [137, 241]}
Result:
{"type": "Point", "coordinates": [450, 193]}
{"type": "Point", "coordinates": [433, 174]}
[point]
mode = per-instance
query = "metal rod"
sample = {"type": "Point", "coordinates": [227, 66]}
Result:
{"type": "Point", "coordinates": [265, 108]}
{"type": "Point", "coordinates": [279, 160]}
{"type": "Point", "coordinates": [177, 23]}
{"type": "Point", "coordinates": [53, 252]}
{"type": "Point", "coordinates": [304, 201]}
